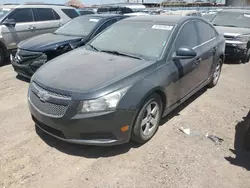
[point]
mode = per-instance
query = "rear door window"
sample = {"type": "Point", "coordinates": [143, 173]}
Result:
{"type": "Point", "coordinates": [45, 14]}
{"type": "Point", "coordinates": [205, 32]}
{"type": "Point", "coordinates": [22, 15]}
{"type": "Point", "coordinates": [70, 13]}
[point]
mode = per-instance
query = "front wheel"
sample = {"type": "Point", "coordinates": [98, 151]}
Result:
{"type": "Point", "coordinates": [147, 121]}
{"type": "Point", "coordinates": [216, 74]}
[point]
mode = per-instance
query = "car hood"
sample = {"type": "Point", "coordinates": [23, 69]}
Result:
{"type": "Point", "coordinates": [46, 42]}
{"type": "Point", "coordinates": [82, 71]}
{"type": "Point", "coordinates": [232, 31]}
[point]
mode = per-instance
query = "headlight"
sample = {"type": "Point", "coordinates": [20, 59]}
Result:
{"type": "Point", "coordinates": [64, 48]}
{"type": "Point", "coordinates": [242, 38]}
{"type": "Point", "coordinates": [106, 103]}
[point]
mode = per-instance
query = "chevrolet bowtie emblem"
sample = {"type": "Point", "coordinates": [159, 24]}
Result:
{"type": "Point", "coordinates": [43, 95]}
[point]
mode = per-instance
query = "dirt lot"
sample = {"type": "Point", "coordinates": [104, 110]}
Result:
{"type": "Point", "coordinates": [29, 158]}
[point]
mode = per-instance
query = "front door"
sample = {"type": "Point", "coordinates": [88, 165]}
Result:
{"type": "Point", "coordinates": [23, 29]}
{"type": "Point", "coordinates": [188, 69]}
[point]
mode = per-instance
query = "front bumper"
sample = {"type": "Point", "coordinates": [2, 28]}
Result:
{"type": "Point", "coordinates": [28, 62]}
{"type": "Point", "coordinates": [234, 52]}
{"type": "Point", "coordinates": [100, 129]}
{"type": "Point", "coordinates": [22, 70]}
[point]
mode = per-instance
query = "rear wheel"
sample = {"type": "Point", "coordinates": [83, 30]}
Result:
{"type": "Point", "coordinates": [1, 57]}
{"type": "Point", "coordinates": [147, 121]}
{"type": "Point", "coordinates": [216, 74]}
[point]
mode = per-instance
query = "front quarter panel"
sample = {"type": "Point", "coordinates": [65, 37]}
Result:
{"type": "Point", "coordinates": [162, 80]}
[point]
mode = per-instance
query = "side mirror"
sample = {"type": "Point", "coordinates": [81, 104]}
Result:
{"type": "Point", "coordinates": [184, 53]}
{"type": "Point", "coordinates": [10, 22]}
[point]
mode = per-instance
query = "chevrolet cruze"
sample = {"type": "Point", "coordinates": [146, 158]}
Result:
{"type": "Point", "coordinates": [119, 86]}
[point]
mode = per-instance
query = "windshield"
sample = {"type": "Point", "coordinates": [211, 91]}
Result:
{"type": "Point", "coordinates": [80, 26]}
{"type": "Point", "coordinates": [232, 19]}
{"type": "Point", "coordinates": [3, 12]}
{"type": "Point", "coordinates": [140, 39]}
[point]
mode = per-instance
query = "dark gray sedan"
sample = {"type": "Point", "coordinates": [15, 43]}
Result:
{"type": "Point", "coordinates": [119, 86]}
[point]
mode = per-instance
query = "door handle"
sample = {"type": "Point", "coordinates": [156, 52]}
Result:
{"type": "Point", "coordinates": [214, 50]}
{"type": "Point", "coordinates": [31, 27]}
{"type": "Point", "coordinates": [197, 61]}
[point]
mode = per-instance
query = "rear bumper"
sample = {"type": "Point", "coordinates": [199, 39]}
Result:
{"type": "Point", "coordinates": [102, 129]}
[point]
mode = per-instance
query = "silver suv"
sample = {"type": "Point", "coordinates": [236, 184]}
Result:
{"type": "Point", "coordinates": [19, 22]}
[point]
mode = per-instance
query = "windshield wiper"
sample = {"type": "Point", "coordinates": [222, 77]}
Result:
{"type": "Point", "coordinates": [225, 25]}
{"type": "Point", "coordinates": [90, 45]}
{"type": "Point", "coordinates": [120, 54]}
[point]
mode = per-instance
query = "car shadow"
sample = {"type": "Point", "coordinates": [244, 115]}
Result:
{"type": "Point", "coordinates": [177, 110]}
{"type": "Point", "coordinates": [231, 62]}
{"type": "Point", "coordinates": [85, 150]}
{"type": "Point", "coordinates": [241, 144]}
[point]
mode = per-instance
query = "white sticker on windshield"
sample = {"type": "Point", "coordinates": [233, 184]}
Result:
{"type": "Point", "coordinates": [162, 27]}
{"type": "Point", "coordinates": [93, 20]}
{"type": "Point", "coordinates": [247, 15]}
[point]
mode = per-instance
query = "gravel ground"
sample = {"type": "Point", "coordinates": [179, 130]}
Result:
{"type": "Point", "coordinates": [29, 158]}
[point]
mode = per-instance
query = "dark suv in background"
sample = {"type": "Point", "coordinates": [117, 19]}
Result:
{"type": "Point", "coordinates": [114, 10]}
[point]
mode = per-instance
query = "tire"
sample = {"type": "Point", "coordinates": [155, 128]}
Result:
{"type": "Point", "coordinates": [216, 74]}
{"type": "Point", "coordinates": [1, 57]}
{"type": "Point", "coordinates": [246, 58]}
{"type": "Point", "coordinates": [147, 120]}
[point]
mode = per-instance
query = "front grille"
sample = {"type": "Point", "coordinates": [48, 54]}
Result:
{"type": "Point", "coordinates": [228, 37]}
{"type": "Point", "coordinates": [48, 108]}
{"type": "Point", "coordinates": [25, 56]}
{"type": "Point", "coordinates": [48, 129]}
{"type": "Point", "coordinates": [36, 88]}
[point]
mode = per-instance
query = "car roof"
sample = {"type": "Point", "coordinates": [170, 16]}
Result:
{"type": "Point", "coordinates": [236, 10]}
{"type": "Point", "coordinates": [161, 18]}
{"type": "Point", "coordinates": [12, 6]}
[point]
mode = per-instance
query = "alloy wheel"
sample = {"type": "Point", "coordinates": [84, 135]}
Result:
{"type": "Point", "coordinates": [150, 118]}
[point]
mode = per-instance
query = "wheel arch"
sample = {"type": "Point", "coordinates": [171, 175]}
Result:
{"type": "Point", "coordinates": [157, 90]}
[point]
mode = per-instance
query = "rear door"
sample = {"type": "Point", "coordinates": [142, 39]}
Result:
{"type": "Point", "coordinates": [23, 29]}
{"type": "Point", "coordinates": [207, 45]}
{"type": "Point", "coordinates": [47, 20]}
